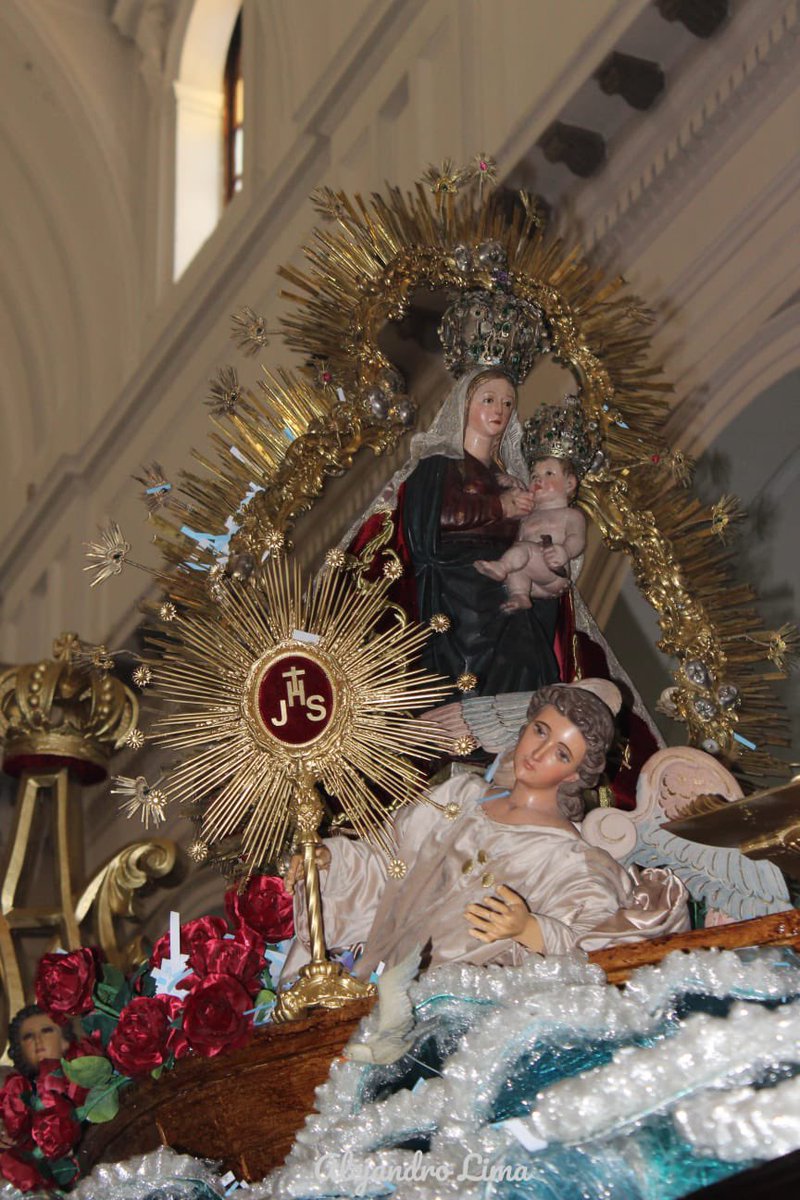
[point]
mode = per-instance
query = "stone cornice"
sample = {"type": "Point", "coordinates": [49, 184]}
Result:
{"type": "Point", "coordinates": [751, 68]}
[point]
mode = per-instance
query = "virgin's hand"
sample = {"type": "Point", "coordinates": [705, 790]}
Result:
{"type": "Point", "coordinates": [505, 915]}
{"type": "Point", "coordinates": [295, 871]}
{"type": "Point", "coordinates": [511, 481]}
{"type": "Point", "coordinates": [516, 503]}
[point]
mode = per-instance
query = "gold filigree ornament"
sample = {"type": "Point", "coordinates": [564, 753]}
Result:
{"type": "Point", "coordinates": [143, 799]}
{"type": "Point", "coordinates": [465, 745]}
{"type": "Point", "coordinates": [277, 689]}
{"type": "Point", "coordinates": [109, 554]}
{"type": "Point", "coordinates": [467, 681]}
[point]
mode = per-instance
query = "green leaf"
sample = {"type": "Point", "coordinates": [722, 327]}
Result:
{"type": "Point", "coordinates": [113, 977]}
{"type": "Point", "coordinates": [63, 1170]}
{"type": "Point", "coordinates": [89, 1071]}
{"type": "Point", "coordinates": [157, 1072]}
{"type": "Point", "coordinates": [265, 996]}
{"type": "Point", "coordinates": [102, 1104]}
{"type": "Point", "coordinates": [102, 1022]}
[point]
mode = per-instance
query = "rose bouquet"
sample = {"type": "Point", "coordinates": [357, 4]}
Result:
{"type": "Point", "coordinates": [139, 1025]}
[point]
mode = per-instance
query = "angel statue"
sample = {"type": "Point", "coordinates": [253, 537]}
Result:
{"type": "Point", "coordinates": [487, 875]}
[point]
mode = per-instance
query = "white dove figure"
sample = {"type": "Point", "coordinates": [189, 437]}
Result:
{"type": "Point", "coordinates": [393, 1037]}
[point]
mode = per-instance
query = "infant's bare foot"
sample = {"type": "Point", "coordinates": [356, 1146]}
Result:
{"type": "Point", "coordinates": [491, 569]}
{"type": "Point", "coordinates": [515, 602]}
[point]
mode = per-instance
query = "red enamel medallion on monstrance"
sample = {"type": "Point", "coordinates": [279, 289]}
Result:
{"type": "Point", "coordinates": [295, 699]}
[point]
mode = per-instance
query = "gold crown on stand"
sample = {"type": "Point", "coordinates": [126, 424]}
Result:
{"type": "Point", "coordinates": [492, 329]}
{"type": "Point", "coordinates": [65, 711]}
{"type": "Point", "coordinates": [561, 431]}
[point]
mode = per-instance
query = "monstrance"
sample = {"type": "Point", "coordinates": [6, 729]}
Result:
{"type": "Point", "coordinates": [279, 691]}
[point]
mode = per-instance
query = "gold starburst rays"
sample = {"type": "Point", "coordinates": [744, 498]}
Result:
{"type": "Point", "coordinates": [229, 672]}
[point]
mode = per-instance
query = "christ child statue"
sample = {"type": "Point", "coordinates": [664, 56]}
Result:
{"type": "Point", "coordinates": [550, 538]}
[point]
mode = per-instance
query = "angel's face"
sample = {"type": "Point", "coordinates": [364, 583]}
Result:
{"type": "Point", "coordinates": [549, 751]}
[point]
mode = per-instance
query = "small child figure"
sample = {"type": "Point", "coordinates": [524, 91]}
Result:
{"type": "Point", "coordinates": [554, 534]}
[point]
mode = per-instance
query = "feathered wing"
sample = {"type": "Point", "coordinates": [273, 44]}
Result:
{"type": "Point", "coordinates": [669, 784]}
{"type": "Point", "coordinates": [727, 880]}
{"type": "Point", "coordinates": [495, 721]}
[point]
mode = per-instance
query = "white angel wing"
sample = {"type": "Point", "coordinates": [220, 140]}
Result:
{"type": "Point", "coordinates": [495, 721]}
{"type": "Point", "coordinates": [724, 878]}
{"type": "Point", "coordinates": [727, 880]}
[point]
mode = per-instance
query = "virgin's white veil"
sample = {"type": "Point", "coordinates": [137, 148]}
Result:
{"type": "Point", "coordinates": [446, 438]}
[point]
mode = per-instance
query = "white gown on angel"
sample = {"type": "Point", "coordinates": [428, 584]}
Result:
{"type": "Point", "coordinates": [456, 857]}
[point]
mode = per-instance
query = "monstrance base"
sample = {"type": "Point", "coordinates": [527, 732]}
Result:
{"type": "Point", "coordinates": [320, 985]}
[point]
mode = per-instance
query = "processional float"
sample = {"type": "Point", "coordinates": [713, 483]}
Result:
{"type": "Point", "coordinates": [290, 703]}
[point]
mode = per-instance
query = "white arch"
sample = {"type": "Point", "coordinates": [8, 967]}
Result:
{"type": "Point", "coordinates": [772, 352]}
{"type": "Point", "coordinates": [199, 100]}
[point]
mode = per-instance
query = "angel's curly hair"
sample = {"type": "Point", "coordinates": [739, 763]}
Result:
{"type": "Point", "coordinates": [595, 721]}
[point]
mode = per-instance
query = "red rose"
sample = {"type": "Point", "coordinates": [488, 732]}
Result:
{"type": "Point", "coordinates": [229, 956]}
{"type": "Point", "coordinates": [14, 1112]}
{"type": "Point", "coordinates": [213, 1017]}
{"type": "Point", "coordinates": [139, 1043]}
{"type": "Point", "coordinates": [21, 1173]}
{"type": "Point", "coordinates": [56, 1129]}
{"type": "Point", "coordinates": [178, 1043]}
{"type": "Point", "coordinates": [65, 982]}
{"type": "Point", "coordinates": [51, 1082]}
{"type": "Point", "coordinates": [263, 908]}
{"type": "Point", "coordinates": [193, 933]}
{"type": "Point", "coordinates": [91, 1044]}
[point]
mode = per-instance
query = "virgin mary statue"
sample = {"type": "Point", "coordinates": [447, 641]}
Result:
{"type": "Point", "coordinates": [460, 498]}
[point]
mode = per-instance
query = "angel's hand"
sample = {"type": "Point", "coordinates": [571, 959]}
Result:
{"type": "Point", "coordinates": [295, 871]}
{"type": "Point", "coordinates": [504, 915]}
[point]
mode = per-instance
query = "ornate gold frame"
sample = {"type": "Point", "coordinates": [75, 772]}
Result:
{"type": "Point", "coordinates": [365, 265]}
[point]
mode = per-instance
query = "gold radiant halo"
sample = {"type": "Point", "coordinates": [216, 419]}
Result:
{"type": "Point", "coordinates": [364, 269]}
{"type": "Point", "coordinates": [366, 263]}
{"type": "Point", "coordinates": [219, 668]}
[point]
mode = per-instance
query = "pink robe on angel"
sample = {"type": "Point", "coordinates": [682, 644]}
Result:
{"type": "Point", "coordinates": [455, 855]}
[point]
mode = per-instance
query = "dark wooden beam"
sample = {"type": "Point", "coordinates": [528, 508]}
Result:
{"type": "Point", "coordinates": [638, 80]}
{"type": "Point", "coordinates": [582, 151]}
{"type": "Point", "coordinates": [701, 17]}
